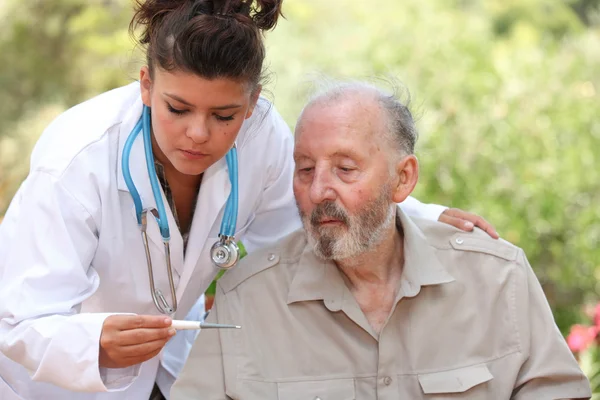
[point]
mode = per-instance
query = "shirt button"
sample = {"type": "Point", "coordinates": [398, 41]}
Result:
{"type": "Point", "coordinates": [317, 398]}
{"type": "Point", "coordinates": [387, 381]}
{"type": "Point", "coordinates": [271, 258]}
{"type": "Point", "coordinates": [459, 241]}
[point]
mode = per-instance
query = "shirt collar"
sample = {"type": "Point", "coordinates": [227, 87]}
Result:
{"type": "Point", "coordinates": [316, 279]}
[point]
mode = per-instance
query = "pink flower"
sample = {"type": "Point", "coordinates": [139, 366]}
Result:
{"type": "Point", "coordinates": [581, 337]}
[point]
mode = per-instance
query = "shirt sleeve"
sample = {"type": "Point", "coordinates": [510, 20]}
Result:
{"type": "Point", "coordinates": [550, 370]}
{"type": "Point", "coordinates": [414, 208]}
{"type": "Point", "coordinates": [203, 375]}
{"type": "Point", "coordinates": [48, 242]}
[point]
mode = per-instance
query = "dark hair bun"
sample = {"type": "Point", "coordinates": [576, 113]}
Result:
{"type": "Point", "coordinates": [150, 13]}
{"type": "Point", "coordinates": [210, 38]}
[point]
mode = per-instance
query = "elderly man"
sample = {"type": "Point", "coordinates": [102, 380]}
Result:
{"type": "Point", "coordinates": [366, 303]}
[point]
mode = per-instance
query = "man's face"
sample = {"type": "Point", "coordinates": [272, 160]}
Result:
{"type": "Point", "coordinates": [342, 178]}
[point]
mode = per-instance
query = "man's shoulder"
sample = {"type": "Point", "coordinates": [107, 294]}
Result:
{"type": "Point", "coordinates": [486, 273]}
{"type": "Point", "coordinates": [250, 269]}
{"type": "Point", "coordinates": [446, 237]}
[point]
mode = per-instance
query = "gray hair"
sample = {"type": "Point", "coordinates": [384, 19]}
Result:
{"type": "Point", "coordinates": [401, 131]}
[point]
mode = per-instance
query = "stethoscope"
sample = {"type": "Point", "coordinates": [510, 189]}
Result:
{"type": "Point", "coordinates": [224, 253]}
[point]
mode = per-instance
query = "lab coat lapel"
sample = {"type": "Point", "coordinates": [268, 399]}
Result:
{"type": "Point", "coordinates": [210, 208]}
{"type": "Point", "coordinates": [139, 175]}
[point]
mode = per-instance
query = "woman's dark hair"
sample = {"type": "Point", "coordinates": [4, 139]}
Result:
{"type": "Point", "coordinates": [210, 38]}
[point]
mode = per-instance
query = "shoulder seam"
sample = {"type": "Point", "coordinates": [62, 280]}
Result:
{"type": "Point", "coordinates": [59, 182]}
{"type": "Point", "coordinates": [59, 173]}
{"type": "Point", "coordinates": [84, 148]}
{"type": "Point", "coordinates": [501, 249]}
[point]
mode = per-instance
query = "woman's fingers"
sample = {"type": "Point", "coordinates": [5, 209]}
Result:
{"type": "Point", "coordinates": [143, 335]}
{"type": "Point", "coordinates": [128, 340]}
{"type": "Point", "coordinates": [466, 221]}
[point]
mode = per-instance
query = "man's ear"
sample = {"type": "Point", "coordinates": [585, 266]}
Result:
{"type": "Point", "coordinates": [253, 100]}
{"type": "Point", "coordinates": [407, 175]}
{"type": "Point", "coordinates": [146, 86]}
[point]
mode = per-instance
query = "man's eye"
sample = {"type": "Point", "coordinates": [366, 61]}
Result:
{"type": "Point", "coordinates": [175, 110]}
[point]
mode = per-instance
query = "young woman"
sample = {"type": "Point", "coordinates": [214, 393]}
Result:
{"type": "Point", "coordinates": [88, 285]}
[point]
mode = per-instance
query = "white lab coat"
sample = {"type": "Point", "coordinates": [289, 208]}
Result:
{"type": "Point", "coordinates": [71, 252]}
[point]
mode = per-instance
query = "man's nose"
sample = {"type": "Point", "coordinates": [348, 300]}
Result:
{"type": "Point", "coordinates": [321, 188]}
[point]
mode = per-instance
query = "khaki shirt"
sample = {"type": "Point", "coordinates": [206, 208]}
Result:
{"type": "Point", "coordinates": [470, 322]}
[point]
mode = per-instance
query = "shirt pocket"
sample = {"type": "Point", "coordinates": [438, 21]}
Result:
{"type": "Point", "coordinates": [469, 381]}
{"type": "Point", "coordinates": [330, 389]}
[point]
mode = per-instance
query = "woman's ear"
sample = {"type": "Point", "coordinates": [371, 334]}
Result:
{"type": "Point", "coordinates": [407, 175]}
{"type": "Point", "coordinates": [146, 86]}
{"type": "Point", "coordinates": [253, 100]}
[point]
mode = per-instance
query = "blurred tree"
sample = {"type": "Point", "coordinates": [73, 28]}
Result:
{"type": "Point", "coordinates": [58, 51]}
{"type": "Point", "coordinates": [54, 54]}
{"type": "Point", "coordinates": [587, 10]}
{"type": "Point", "coordinates": [506, 92]}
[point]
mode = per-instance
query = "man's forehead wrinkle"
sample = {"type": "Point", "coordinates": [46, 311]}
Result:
{"type": "Point", "coordinates": [351, 121]}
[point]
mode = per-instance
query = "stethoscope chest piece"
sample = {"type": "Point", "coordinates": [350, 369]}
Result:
{"type": "Point", "coordinates": [225, 253]}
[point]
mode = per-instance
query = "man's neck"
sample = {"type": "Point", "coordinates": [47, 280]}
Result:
{"type": "Point", "coordinates": [373, 278]}
{"type": "Point", "coordinates": [382, 264]}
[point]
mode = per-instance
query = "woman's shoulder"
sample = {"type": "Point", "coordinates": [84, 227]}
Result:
{"type": "Point", "coordinates": [266, 128]}
{"type": "Point", "coordinates": [80, 127]}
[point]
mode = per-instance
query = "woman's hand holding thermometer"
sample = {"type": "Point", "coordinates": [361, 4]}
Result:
{"type": "Point", "coordinates": [128, 340]}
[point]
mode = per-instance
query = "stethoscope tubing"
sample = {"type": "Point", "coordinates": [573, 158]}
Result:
{"type": "Point", "coordinates": [228, 223]}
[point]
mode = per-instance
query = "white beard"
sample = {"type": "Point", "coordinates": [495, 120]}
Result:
{"type": "Point", "coordinates": [358, 235]}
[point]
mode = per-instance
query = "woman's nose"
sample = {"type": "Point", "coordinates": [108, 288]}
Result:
{"type": "Point", "coordinates": [198, 131]}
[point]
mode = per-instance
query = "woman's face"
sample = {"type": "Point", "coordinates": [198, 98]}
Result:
{"type": "Point", "coordinates": [194, 120]}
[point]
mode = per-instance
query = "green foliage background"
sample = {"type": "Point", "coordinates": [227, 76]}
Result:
{"type": "Point", "coordinates": [507, 94]}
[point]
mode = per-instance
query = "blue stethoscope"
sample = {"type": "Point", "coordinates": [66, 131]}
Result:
{"type": "Point", "coordinates": [224, 253]}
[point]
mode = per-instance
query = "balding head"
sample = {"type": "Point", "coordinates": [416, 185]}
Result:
{"type": "Point", "coordinates": [389, 117]}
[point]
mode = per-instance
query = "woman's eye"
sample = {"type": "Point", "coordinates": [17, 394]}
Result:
{"type": "Point", "coordinates": [222, 118]}
{"type": "Point", "coordinates": [175, 110]}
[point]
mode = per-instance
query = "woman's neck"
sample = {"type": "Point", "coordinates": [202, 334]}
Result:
{"type": "Point", "coordinates": [183, 189]}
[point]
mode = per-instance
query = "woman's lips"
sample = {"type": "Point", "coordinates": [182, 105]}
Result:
{"type": "Point", "coordinates": [193, 155]}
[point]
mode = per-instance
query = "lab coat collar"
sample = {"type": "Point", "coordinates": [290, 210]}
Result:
{"type": "Point", "coordinates": [316, 279]}
{"type": "Point", "coordinates": [421, 264]}
{"type": "Point", "coordinates": [210, 208]}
